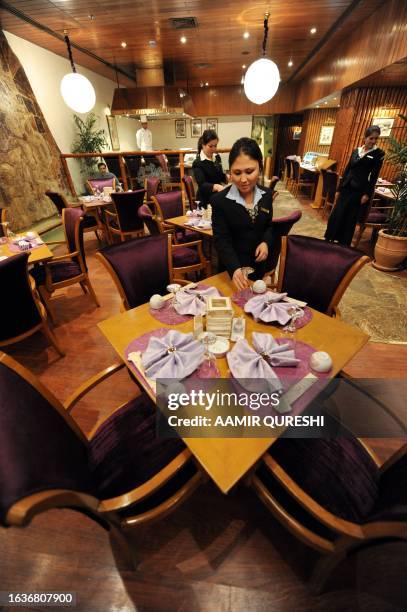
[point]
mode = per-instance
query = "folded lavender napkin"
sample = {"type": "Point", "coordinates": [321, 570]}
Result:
{"type": "Point", "coordinates": [176, 355]}
{"type": "Point", "coordinates": [268, 307]}
{"type": "Point", "coordinates": [245, 363]}
{"type": "Point", "coordinates": [275, 354]}
{"type": "Point", "coordinates": [192, 301]}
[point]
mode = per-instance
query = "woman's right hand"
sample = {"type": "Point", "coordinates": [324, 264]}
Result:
{"type": "Point", "coordinates": [240, 280]}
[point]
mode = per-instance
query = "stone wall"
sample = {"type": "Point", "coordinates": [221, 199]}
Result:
{"type": "Point", "coordinates": [29, 157]}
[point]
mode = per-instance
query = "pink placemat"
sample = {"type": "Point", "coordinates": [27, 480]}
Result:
{"type": "Point", "coordinates": [168, 315]}
{"type": "Point", "coordinates": [14, 248]}
{"type": "Point", "coordinates": [241, 297]}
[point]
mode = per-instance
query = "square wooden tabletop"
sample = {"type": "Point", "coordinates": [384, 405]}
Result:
{"type": "Point", "coordinates": [180, 222]}
{"type": "Point", "coordinates": [227, 460]}
{"type": "Point", "coordinates": [37, 255]}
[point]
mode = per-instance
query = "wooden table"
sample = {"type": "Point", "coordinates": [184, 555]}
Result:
{"type": "Point", "coordinates": [226, 460]}
{"type": "Point", "coordinates": [94, 204]}
{"type": "Point", "coordinates": [180, 222]}
{"type": "Point", "coordinates": [387, 195]}
{"type": "Point", "coordinates": [40, 254]}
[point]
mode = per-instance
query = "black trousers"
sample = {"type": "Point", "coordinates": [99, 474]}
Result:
{"type": "Point", "coordinates": [342, 220]}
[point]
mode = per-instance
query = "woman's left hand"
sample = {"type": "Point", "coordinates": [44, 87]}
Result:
{"type": "Point", "coordinates": [261, 252]}
{"type": "Point", "coordinates": [364, 199]}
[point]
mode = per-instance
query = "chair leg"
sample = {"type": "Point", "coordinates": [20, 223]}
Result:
{"type": "Point", "coordinates": [48, 333]}
{"type": "Point", "coordinates": [84, 288]}
{"type": "Point", "coordinates": [45, 297]}
{"type": "Point", "coordinates": [323, 570]}
{"type": "Point", "coordinates": [359, 234]}
{"type": "Point", "coordinates": [91, 291]}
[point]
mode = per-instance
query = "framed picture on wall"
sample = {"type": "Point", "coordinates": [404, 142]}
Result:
{"type": "Point", "coordinates": [180, 128]}
{"type": "Point", "coordinates": [212, 124]}
{"type": "Point", "coordinates": [297, 132]}
{"type": "Point", "coordinates": [326, 134]}
{"type": "Point", "coordinates": [114, 135]}
{"type": "Point", "coordinates": [196, 128]}
{"type": "Point", "coordinates": [385, 124]}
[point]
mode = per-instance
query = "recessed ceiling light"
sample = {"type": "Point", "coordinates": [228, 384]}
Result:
{"type": "Point", "coordinates": [246, 34]}
{"type": "Point", "coordinates": [206, 84]}
{"type": "Point", "coordinates": [242, 80]}
{"type": "Point", "coordinates": [123, 44]}
{"type": "Point", "coordinates": [201, 84]}
{"type": "Point", "coordinates": [290, 63]}
{"type": "Point", "coordinates": [333, 98]}
{"type": "Point", "coordinates": [152, 43]}
{"type": "Point", "coordinates": [313, 30]}
{"type": "Point", "coordinates": [317, 105]}
{"type": "Point", "coordinates": [325, 102]}
{"type": "Point", "coordinates": [244, 66]}
{"type": "Point", "coordinates": [183, 40]}
{"type": "Point", "coordinates": [91, 16]}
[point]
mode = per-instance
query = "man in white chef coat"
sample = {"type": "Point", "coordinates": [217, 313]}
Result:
{"type": "Point", "coordinates": [144, 136]}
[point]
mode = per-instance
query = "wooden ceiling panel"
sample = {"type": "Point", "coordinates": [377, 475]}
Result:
{"type": "Point", "coordinates": [218, 40]}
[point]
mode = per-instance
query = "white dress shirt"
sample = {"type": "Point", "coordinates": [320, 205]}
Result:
{"type": "Point", "coordinates": [144, 139]}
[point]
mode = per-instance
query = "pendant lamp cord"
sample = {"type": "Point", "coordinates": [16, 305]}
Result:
{"type": "Point", "coordinates": [266, 31]}
{"type": "Point", "coordinates": [68, 44]}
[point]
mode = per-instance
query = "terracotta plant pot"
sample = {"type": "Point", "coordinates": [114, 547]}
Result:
{"type": "Point", "coordinates": [390, 251]}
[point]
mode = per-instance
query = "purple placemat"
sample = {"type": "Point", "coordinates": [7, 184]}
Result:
{"type": "Point", "coordinates": [241, 297]}
{"type": "Point", "coordinates": [168, 315]}
{"type": "Point", "coordinates": [14, 248]}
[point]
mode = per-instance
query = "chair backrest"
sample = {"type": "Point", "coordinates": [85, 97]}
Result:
{"type": "Point", "coordinates": [280, 226]}
{"type": "Point", "coordinates": [3, 219]}
{"type": "Point", "coordinates": [58, 199]}
{"type": "Point", "coordinates": [190, 189]}
{"type": "Point", "coordinates": [163, 163]}
{"type": "Point", "coordinates": [331, 185]}
{"type": "Point", "coordinates": [19, 312]}
{"type": "Point", "coordinates": [151, 185]}
{"type": "Point", "coordinates": [287, 167]}
{"type": "Point", "coordinates": [168, 204]}
{"type": "Point", "coordinates": [72, 219]}
{"type": "Point", "coordinates": [316, 271]}
{"type": "Point", "coordinates": [393, 486]}
{"type": "Point", "coordinates": [100, 184]}
{"type": "Point", "coordinates": [273, 182]}
{"type": "Point", "coordinates": [324, 183]}
{"type": "Point", "coordinates": [295, 168]}
{"type": "Point", "coordinates": [139, 268]}
{"type": "Point", "coordinates": [41, 448]}
{"type": "Point", "coordinates": [127, 205]}
{"type": "Point", "coordinates": [148, 218]}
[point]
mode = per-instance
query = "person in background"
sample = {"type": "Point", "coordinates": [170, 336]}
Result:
{"type": "Point", "coordinates": [207, 168]}
{"type": "Point", "coordinates": [103, 173]}
{"type": "Point", "coordinates": [242, 214]}
{"type": "Point", "coordinates": [355, 188]}
{"type": "Point", "coordinates": [144, 136]}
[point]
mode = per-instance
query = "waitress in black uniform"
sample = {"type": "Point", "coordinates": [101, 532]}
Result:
{"type": "Point", "coordinates": [355, 189]}
{"type": "Point", "coordinates": [207, 168]}
{"type": "Point", "coordinates": [242, 214]}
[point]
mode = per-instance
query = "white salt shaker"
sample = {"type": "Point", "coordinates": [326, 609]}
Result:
{"type": "Point", "coordinates": [156, 301]}
{"type": "Point", "coordinates": [320, 361]}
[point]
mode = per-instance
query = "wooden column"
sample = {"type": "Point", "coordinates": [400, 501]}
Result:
{"type": "Point", "coordinates": [123, 173]}
{"type": "Point", "coordinates": [68, 176]}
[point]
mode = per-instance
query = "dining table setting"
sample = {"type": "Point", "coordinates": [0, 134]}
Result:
{"type": "Point", "coordinates": [25, 242]}
{"type": "Point", "coordinates": [207, 333]}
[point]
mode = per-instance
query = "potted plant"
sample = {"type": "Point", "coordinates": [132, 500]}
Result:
{"type": "Point", "coordinates": [391, 247]}
{"type": "Point", "coordinates": [88, 140]}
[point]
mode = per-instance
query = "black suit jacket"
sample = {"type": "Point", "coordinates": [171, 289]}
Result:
{"type": "Point", "coordinates": [361, 172]}
{"type": "Point", "coordinates": [235, 235]}
{"type": "Point", "coordinates": [206, 174]}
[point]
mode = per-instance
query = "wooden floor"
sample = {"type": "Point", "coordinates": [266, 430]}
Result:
{"type": "Point", "coordinates": [215, 553]}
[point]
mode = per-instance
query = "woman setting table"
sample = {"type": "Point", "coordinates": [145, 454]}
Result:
{"type": "Point", "coordinates": [242, 215]}
{"type": "Point", "coordinates": [207, 168]}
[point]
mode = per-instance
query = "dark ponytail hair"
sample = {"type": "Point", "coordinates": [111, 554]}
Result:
{"type": "Point", "coordinates": [206, 137]}
{"type": "Point", "coordinates": [371, 130]}
{"type": "Point", "coordinates": [248, 147]}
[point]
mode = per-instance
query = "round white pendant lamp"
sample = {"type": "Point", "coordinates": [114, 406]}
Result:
{"type": "Point", "coordinates": [262, 78]}
{"type": "Point", "coordinates": [76, 90]}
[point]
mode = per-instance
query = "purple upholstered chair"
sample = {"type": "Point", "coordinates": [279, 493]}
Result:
{"type": "Point", "coordinates": [90, 223]}
{"type": "Point", "coordinates": [22, 311]}
{"type": "Point", "coordinates": [317, 272]}
{"type": "Point", "coordinates": [376, 216]}
{"type": "Point", "coordinates": [168, 205]}
{"type": "Point", "coordinates": [67, 269]}
{"type": "Point", "coordinates": [124, 475]}
{"type": "Point", "coordinates": [94, 185]}
{"type": "Point", "coordinates": [139, 268]}
{"type": "Point", "coordinates": [184, 258]}
{"type": "Point", "coordinates": [3, 219]}
{"type": "Point", "coordinates": [124, 220]}
{"type": "Point", "coordinates": [280, 227]}
{"type": "Point", "coordinates": [151, 186]}
{"type": "Point", "coordinates": [190, 190]}
{"type": "Point", "coordinates": [333, 493]}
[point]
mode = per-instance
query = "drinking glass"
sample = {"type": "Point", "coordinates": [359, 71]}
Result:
{"type": "Point", "coordinates": [290, 330]}
{"type": "Point", "coordinates": [246, 271]}
{"type": "Point", "coordinates": [208, 368]}
{"type": "Point", "coordinates": [173, 289]}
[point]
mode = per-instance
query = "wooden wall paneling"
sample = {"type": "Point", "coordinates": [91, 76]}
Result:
{"type": "Point", "coordinates": [313, 120]}
{"type": "Point", "coordinates": [358, 108]}
{"type": "Point", "coordinates": [376, 43]}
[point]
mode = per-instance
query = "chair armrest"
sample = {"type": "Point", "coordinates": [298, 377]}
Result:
{"type": "Point", "coordinates": [65, 256]}
{"type": "Point", "coordinates": [109, 213]}
{"type": "Point", "coordinates": [55, 242]}
{"type": "Point", "coordinates": [89, 384]}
